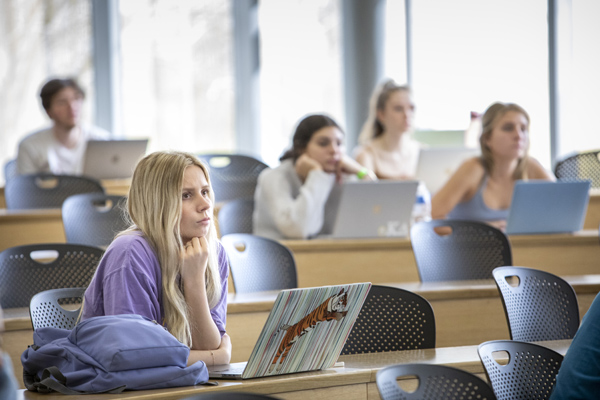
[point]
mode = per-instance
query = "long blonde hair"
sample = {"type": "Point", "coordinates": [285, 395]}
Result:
{"type": "Point", "coordinates": [372, 128]}
{"type": "Point", "coordinates": [154, 205]}
{"type": "Point", "coordinates": [489, 121]}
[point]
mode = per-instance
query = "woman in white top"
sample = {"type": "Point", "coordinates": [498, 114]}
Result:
{"type": "Point", "coordinates": [387, 146]}
{"type": "Point", "coordinates": [295, 200]}
{"type": "Point", "coordinates": [482, 187]}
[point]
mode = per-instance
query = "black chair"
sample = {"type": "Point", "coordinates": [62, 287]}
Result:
{"type": "Point", "coordinates": [235, 216]}
{"type": "Point", "coordinates": [259, 264]}
{"type": "Point", "coordinates": [529, 373]}
{"type": "Point", "coordinates": [392, 319]}
{"type": "Point", "coordinates": [46, 308]}
{"type": "Point", "coordinates": [538, 305]}
{"type": "Point", "coordinates": [93, 219]}
{"type": "Point", "coordinates": [46, 190]}
{"type": "Point", "coordinates": [582, 166]}
{"type": "Point", "coordinates": [233, 176]}
{"type": "Point", "coordinates": [28, 270]}
{"type": "Point", "coordinates": [436, 382]}
{"type": "Point", "coordinates": [471, 251]}
{"type": "Point", "coordinates": [10, 169]}
{"type": "Point", "coordinates": [230, 396]}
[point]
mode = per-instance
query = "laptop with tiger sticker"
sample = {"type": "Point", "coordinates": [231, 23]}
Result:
{"type": "Point", "coordinates": [305, 331]}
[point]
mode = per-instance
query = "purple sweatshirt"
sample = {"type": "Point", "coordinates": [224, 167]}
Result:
{"type": "Point", "coordinates": [129, 281]}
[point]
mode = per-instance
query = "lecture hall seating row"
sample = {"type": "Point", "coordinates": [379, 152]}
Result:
{"type": "Point", "coordinates": [467, 313]}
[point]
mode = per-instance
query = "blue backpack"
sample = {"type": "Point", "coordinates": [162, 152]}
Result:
{"type": "Point", "coordinates": [108, 355]}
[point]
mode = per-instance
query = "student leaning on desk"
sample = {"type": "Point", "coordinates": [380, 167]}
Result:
{"type": "Point", "coordinates": [60, 148]}
{"type": "Point", "coordinates": [482, 187]}
{"type": "Point", "coordinates": [168, 266]}
{"type": "Point", "coordinates": [296, 200]}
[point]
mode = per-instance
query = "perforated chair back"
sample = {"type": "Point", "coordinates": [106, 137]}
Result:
{"type": "Point", "coordinates": [46, 190]}
{"type": "Point", "coordinates": [582, 166]}
{"type": "Point", "coordinates": [10, 169]}
{"type": "Point", "coordinates": [436, 382]}
{"type": "Point", "coordinates": [529, 373]}
{"type": "Point", "coordinates": [93, 218]}
{"type": "Point", "coordinates": [259, 264]}
{"type": "Point", "coordinates": [27, 270]}
{"type": "Point", "coordinates": [471, 251]}
{"type": "Point", "coordinates": [236, 217]}
{"type": "Point", "coordinates": [46, 308]}
{"type": "Point", "coordinates": [542, 307]}
{"type": "Point", "coordinates": [392, 319]}
{"type": "Point", "coordinates": [233, 176]}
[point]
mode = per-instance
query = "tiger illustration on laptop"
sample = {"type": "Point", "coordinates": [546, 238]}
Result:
{"type": "Point", "coordinates": [331, 309]}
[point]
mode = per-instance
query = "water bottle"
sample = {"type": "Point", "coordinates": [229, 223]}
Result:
{"type": "Point", "coordinates": [422, 207]}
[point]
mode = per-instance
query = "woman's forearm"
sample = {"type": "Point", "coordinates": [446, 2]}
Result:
{"type": "Point", "coordinates": [205, 334]}
{"type": "Point", "coordinates": [221, 355]}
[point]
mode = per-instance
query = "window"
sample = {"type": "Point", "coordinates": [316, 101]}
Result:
{"type": "Point", "coordinates": [40, 39]}
{"type": "Point", "coordinates": [580, 101]}
{"type": "Point", "coordinates": [468, 54]}
{"type": "Point", "coordinates": [301, 68]}
{"type": "Point", "coordinates": [177, 74]}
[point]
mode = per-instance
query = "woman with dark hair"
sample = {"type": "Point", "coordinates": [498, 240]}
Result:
{"type": "Point", "coordinates": [295, 199]}
{"type": "Point", "coordinates": [482, 187]}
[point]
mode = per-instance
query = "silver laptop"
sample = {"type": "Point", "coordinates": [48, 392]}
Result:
{"type": "Point", "coordinates": [547, 207]}
{"type": "Point", "coordinates": [305, 331]}
{"type": "Point", "coordinates": [113, 159]}
{"type": "Point", "coordinates": [436, 165]}
{"type": "Point", "coordinates": [375, 209]}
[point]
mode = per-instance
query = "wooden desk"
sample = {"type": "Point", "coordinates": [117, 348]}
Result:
{"type": "Point", "coordinates": [466, 313]}
{"type": "Point", "coordinates": [465, 358]}
{"type": "Point", "coordinates": [119, 187]}
{"type": "Point", "coordinates": [356, 380]}
{"type": "Point", "coordinates": [327, 261]}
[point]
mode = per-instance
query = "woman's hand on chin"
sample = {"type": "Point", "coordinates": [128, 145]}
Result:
{"type": "Point", "coordinates": [305, 164]}
{"type": "Point", "coordinates": [195, 258]}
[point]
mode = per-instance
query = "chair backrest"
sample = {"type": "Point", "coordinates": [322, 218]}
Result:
{"type": "Point", "coordinates": [436, 382]}
{"type": "Point", "coordinates": [471, 251]}
{"type": "Point", "coordinates": [10, 169]}
{"type": "Point", "coordinates": [529, 373]}
{"type": "Point", "coordinates": [46, 190]}
{"type": "Point", "coordinates": [259, 264]}
{"type": "Point", "coordinates": [46, 310]}
{"type": "Point", "coordinates": [582, 166]}
{"type": "Point", "coordinates": [27, 270]}
{"type": "Point", "coordinates": [235, 216]}
{"type": "Point", "coordinates": [93, 219]}
{"type": "Point", "coordinates": [541, 305]}
{"type": "Point", "coordinates": [392, 319]}
{"type": "Point", "coordinates": [233, 176]}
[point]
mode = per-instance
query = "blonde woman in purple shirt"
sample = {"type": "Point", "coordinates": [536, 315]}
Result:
{"type": "Point", "coordinates": [168, 265]}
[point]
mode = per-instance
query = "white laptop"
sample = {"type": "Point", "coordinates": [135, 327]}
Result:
{"type": "Point", "coordinates": [305, 331]}
{"type": "Point", "coordinates": [437, 164]}
{"type": "Point", "coordinates": [547, 207]}
{"type": "Point", "coordinates": [375, 209]}
{"type": "Point", "coordinates": [113, 159]}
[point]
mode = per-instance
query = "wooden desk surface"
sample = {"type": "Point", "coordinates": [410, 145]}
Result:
{"type": "Point", "coordinates": [356, 380]}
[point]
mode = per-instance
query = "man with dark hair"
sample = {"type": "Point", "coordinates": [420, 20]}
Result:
{"type": "Point", "coordinates": [59, 149]}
